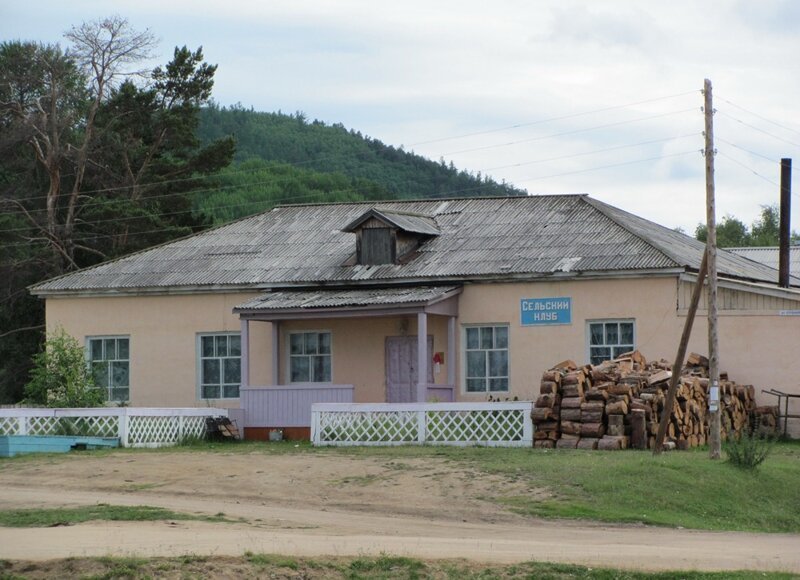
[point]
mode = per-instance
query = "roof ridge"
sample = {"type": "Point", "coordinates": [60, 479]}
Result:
{"type": "Point", "coordinates": [425, 200]}
{"type": "Point", "coordinates": [601, 207]}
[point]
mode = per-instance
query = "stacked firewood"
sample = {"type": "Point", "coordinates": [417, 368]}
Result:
{"type": "Point", "coordinates": [546, 410]}
{"type": "Point", "coordinates": [619, 404]}
{"type": "Point", "coordinates": [765, 420]}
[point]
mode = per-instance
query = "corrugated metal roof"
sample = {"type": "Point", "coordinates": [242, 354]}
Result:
{"type": "Point", "coordinates": [410, 222]}
{"type": "Point", "coordinates": [768, 255]}
{"type": "Point", "coordinates": [536, 236]}
{"type": "Point", "coordinates": [311, 299]}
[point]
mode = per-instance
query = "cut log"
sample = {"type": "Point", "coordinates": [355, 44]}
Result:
{"type": "Point", "coordinates": [587, 443]}
{"type": "Point", "coordinates": [570, 428]}
{"type": "Point", "coordinates": [659, 377]}
{"type": "Point", "coordinates": [616, 425]}
{"type": "Point", "coordinates": [571, 403]}
{"type": "Point", "coordinates": [617, 408]}
{"type": "Point", "coordinates": [540, 414]}
{"type": "Point", "coordinates": [609, 444]}
{"type": "Point", "coordinates": [592, 430]}
{"type": "Point", "coordinates": [570, 415]}
{"type": "Point", "coordinates": [592, 416]}
{"type": "Point", "coordinates": [548, 387]}
{"type": "Point", "coordinates": [544, 444]}
{"type": "Point", "coordinates": [573, 390]}
{"type": "Point", "coordinates": [567, 443]}
{"type": "Point", "coordinates": [638, 430]}
{"type": "Point", "coordinates": [549, 400]}
{"type": "Point", "coordinates": [596, 394]}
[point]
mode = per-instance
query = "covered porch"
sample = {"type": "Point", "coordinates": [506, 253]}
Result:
{"type": "Point", "coordinates": [372, 345]}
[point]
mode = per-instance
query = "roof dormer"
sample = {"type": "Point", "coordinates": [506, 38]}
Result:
{"type": "Point", "coordinates": [388, 237]}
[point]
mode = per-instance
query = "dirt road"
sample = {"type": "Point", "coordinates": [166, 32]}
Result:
{"type": "Point", "coordinates": [308, 505]}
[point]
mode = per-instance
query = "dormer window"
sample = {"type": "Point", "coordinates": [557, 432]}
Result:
{"type": "Point", "coordinates": [389, 237]}
{"type": "Point", "coordinates": [378, 246]}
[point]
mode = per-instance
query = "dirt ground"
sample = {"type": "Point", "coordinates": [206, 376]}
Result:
{"type": "Point", "coordinates": [334, 505]}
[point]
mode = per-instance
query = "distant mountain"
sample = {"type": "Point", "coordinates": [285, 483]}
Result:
{"type": "Point", "coordinates": [284, 158]}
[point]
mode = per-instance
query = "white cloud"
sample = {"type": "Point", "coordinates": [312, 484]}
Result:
{"type": "Point", "coordinates": [415, 71]}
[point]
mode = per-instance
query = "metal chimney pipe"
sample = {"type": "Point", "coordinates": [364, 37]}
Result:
{"type": "Point", "coordinates": [785, 230]}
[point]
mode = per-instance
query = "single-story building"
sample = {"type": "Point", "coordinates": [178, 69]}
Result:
{"type": "Point", "coordinates": [400, 301]}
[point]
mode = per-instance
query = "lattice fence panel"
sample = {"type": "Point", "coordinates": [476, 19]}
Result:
{"type": "Point", "coordinates": [153, 430]}
{"type": "Point", "coordinates": [369, 427]}
{"type": "Point", "coordinates": [9, 426]}
{"type": "Point", "coordinates": [43, 425]}
{"type": "Point", "coordinates": [474, 426]}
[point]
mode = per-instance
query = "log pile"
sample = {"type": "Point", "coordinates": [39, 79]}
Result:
{"type": "Point", "coordinates": [546, 410]}
{"type": "Point", "coordinates": [619, 403]}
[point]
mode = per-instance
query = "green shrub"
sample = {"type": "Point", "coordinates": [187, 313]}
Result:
{"type": "Point", "coordinates": [60, 376]}
{"type": "Point", "coordinates": [749, 450]}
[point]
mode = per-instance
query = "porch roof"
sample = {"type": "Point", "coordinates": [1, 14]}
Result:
{"type": "Point", "coordinates": [348, 300]}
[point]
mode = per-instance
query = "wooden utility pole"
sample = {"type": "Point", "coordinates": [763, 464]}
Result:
{"type": "Point", "coordinates": [714, 446]}
{"type": "Point", "coordinates": [679, 358]}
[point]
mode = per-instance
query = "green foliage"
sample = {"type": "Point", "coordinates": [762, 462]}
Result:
{"type": "Point", "coordinates": [256, 185]}
{"type": "Point", "coordinates": [60, 376]}
{"type": "Point", "coordinates": [749, 450]}
{"type": "Point", "coordinates": [109, 170]}
{"type": "Point", "coordinates": [324, 148]}
{"type": "Point", "coordinates": [733, 233]}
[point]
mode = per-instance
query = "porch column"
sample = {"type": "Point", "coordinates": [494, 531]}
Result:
{"type": "Point", "coordinates": [451, 352]}
{"type": "Point", "coordinates": [422, 356]}
{"type": "Point", "coordinates": [245, 347]}
{"type": "Point", "coordinates": [276, 344]}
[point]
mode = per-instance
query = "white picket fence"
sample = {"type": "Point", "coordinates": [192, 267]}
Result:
{"type": "Point", "coordinates": [488, 424]}
{"type": "Point", "coordinates": [135, 426]}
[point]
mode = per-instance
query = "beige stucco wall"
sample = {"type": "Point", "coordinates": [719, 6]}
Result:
{"type": "Point", "coordinates": [756, 349]}
{"type": "Point", "coordinates": [761, 349]}
{"type": "Point", "coordinates": [163, 331]}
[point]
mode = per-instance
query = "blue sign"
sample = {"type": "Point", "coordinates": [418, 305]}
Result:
{"type": "Point", "coordinates": [539, 311]}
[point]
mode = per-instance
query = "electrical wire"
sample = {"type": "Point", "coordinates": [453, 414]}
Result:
{"type": "Point", "coordinates": [279, 180]}
{"type": "Point", "coordinates": [574, 132]}
{"type": "Point", "coordinates": [284, 200]}
{"type": "Point", "coordinates": [759, 116]}
{"type": "Point", "coordinates": [551, 119]}
{"type": "Point", "coordinates": [760, 130]}
{"type": "Point", "coordinates": [748, 168]}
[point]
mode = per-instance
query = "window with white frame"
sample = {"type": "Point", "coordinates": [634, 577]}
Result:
{"type": "Point", "coordinates": [486, 358]}
{"type": "Point", "coordinates": [310, 357]}
{"type": "Point", "coordinates": [220, 365]}
{"type": "Point", "coordinates": [609, 338]}
{"type": "Point", "coordinates": [109, 360]}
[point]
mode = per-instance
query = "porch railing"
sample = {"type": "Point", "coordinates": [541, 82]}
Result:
{"type": "Point", "coordinates": [489, 424]}
{"type": "Point", "coordinates": [135, 426]}
{"type": "Point", "coordinates": [288, 405]}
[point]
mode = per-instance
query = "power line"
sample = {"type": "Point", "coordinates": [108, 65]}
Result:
{"type": "Point", "coordinates": [760, 130]}
{"type": "Point", "coordinates": [551, 119]}
{"type": "Point", "coordinates": [593, 152]}
{"type": "Point", "coordinates": [574, 132]}
{"type": "Point", "coordinates": [610, 166]}
{"type": "Point", "coordinates": [761, 117]}
{"type": "Point", "coordinates": [342, 155]}
{"type": "Point", "coordinates": [278, 180]}
{"type": "Point", "coordinates": [748, 168]}
{"type": "Point", "coordinates": [294, 198]}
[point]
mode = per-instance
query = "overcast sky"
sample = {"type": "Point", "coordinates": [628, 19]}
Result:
{"type": "Point", "coordinates": [552, 96]}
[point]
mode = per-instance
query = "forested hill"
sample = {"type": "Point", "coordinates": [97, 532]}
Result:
{"type": "Point", "coordinates": [371, 168]}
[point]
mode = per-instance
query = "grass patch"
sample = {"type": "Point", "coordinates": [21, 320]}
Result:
{"type": "Point", "coordinates": [272, 561]}
{"type": "Point", "coordinates": [679, 489]}
{"type": "Point", "coordinates": [43, 518]}
{"type": "Point", "coordinates": [382, 567]}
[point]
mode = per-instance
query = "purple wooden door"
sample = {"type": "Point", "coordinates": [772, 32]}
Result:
{"type": "Point", "coordinates": [401, 368]}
